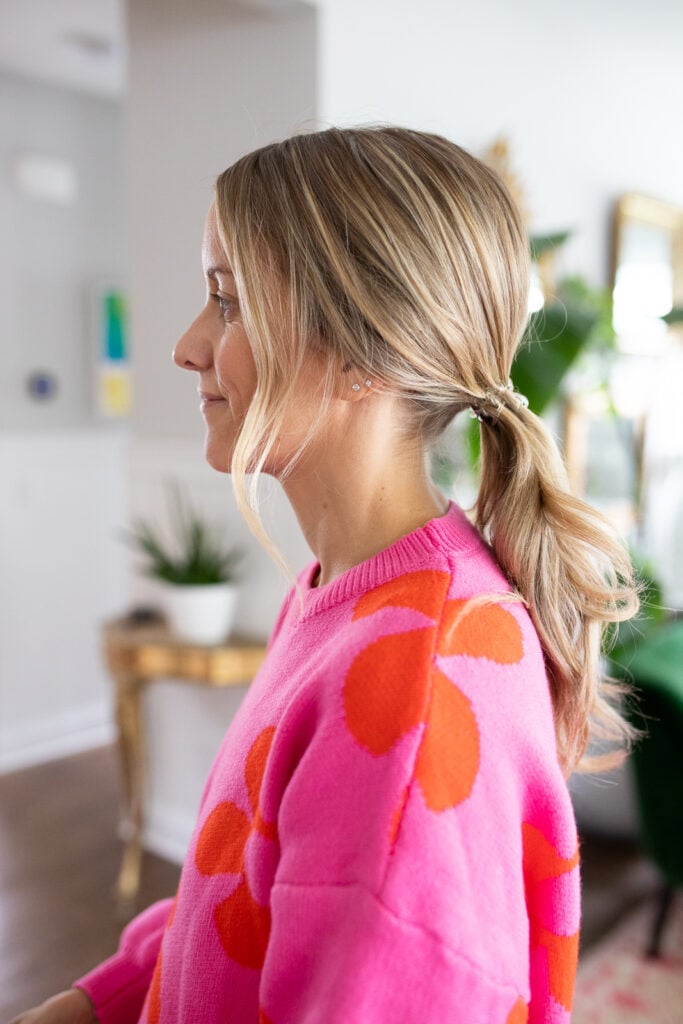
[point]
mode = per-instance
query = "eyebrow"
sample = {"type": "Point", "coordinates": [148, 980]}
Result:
{"type": "Point", "coordinates": [215, 271]}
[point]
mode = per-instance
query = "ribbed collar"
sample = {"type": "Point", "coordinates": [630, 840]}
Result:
{"type": "Point", "coordinates": [450, 532]}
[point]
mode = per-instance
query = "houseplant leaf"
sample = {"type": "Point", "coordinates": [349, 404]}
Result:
{"type": "Point", "coordinates": [577, 318]}
{"type": "Point", "coordinates": [200, 555]}
{"type": "Point", "coordinates": [541, 245]}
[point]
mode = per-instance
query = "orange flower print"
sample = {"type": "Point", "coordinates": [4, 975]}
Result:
{"type": "Point", "coordinates": [448, 759]}
{"type": "Point", "coordinates": [243, 925]}
{"type": "Point", "coordinates": [542, 864]}
{"type": "Point", "coordinates": [386, 688]}
{"type": "Point", "coordinates": [487, 631]}
{"type": "Point", "coordinates": [423, 591]}
{"type": "Point", "coordinates": [154, 994]}
{"type": "Point", "coordinates": [519, 1014]}
{"type": "Point", "coordinates": [393, 685]}
{"type": "Point", "coordinates": [154, 997]}
{"type": "Point", "coordinates": [222, 841]}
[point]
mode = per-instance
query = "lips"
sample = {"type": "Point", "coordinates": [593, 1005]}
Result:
{"type": "Point", "coordinates": [209, 399]}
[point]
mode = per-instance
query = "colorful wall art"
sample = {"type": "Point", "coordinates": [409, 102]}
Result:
{"type": "Point", "coordinates": [113, 383]}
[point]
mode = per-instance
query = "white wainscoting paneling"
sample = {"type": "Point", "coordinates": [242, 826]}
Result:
{"type": "Point", "coordinates": [63, 571]}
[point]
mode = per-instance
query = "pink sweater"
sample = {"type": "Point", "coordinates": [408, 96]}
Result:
{"type": "Point", "coordinates": [385, 836]}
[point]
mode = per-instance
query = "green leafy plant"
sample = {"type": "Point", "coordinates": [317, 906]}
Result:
{"type": "Point", "coordinates": [543, 245]}
{"type": "Point", "coordinates": [200, 556]}
{"type": "Point", "coordinates": [575, 319]}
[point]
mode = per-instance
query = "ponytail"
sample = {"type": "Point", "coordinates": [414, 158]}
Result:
{"type": "Point", "coordinates": [572, 570]}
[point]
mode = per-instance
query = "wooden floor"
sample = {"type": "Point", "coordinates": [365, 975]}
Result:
{"type": "Point", "coordinates": [59, 855]}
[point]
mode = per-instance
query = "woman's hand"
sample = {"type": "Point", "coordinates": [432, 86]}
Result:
{"type": "Point", "coordinates": [71, 1007]}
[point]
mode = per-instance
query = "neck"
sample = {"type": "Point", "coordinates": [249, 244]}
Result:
{"type": "Point", "coordinates": [359, 501]}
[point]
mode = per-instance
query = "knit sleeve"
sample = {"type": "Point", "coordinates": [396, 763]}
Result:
{"type": "Point", "coordinates": [119, 985]}
{"type": "Point", "coordinates": [338, 954]}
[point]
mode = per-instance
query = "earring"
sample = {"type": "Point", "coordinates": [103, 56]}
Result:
{"type": "Point", "coordinates": [355, 387]}
{"type": "Point", "coordinates": [368, 383]}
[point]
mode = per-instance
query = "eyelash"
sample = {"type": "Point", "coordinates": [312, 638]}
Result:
{"type": "Point", "coordinates": [225, 305]}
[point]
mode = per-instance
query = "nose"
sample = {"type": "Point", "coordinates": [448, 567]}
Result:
{"type": "Point", "coordinates": [193, 351]}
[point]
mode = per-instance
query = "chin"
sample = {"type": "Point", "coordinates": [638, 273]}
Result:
{"type": "Point", "coordinates": [218, 457]}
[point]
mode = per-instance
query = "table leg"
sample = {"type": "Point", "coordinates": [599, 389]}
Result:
{"type": "Point", "coordinates": [132, 753]}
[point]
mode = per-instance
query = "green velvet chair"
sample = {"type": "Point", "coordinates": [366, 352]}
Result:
{"type": "Point", "coordinates": [656, 667]}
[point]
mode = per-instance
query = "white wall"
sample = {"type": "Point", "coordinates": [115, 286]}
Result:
{"type": "Point", "coordinates": [52, 255]}
{"type": "Point", "coordinates": [62, 475]}
{"type": "Point", "coordinates": [208, 82]}
{"type": "Point", "coordinates": [588, 93]}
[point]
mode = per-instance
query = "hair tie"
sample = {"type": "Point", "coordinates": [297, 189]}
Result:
{"type": "Point", "coordinates": [496, 397]}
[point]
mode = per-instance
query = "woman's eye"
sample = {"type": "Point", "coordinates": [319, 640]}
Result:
{"type": "Point", "coordinates": [228, 306]}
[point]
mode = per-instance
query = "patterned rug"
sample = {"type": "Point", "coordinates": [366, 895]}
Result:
{"type": "Point", "coordinates": [617, 985]}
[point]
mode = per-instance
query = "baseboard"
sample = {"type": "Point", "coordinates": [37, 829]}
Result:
{"type": "Point", "coordinates": [58, 736]}
{"type": "Point", "coordinates": [167, 832]}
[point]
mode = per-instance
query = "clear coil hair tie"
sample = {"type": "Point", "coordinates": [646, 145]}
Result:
{"type": "Point", "coordinates": [496, 398]}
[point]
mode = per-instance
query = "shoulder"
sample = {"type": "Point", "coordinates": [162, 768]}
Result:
{"type": "Point", "coordinates": [430, 630]}
{"type": "Point", "coordinates": [438, 592]}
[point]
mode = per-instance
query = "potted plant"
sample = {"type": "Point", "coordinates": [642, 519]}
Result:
{"type": "Point", "coordinates": [197, 572]}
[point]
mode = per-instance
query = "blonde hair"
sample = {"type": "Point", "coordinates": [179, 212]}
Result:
{"type": "Point", "coordinates": [398, 252]}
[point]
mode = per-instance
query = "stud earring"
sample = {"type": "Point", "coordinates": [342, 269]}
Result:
{"type": "Point", "coordinates": [368, 383]}
{"type": "Point", "coordinates": [355, 387]}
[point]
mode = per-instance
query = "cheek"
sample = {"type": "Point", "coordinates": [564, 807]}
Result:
{"type": "Point", "coordinates": [236, 370]}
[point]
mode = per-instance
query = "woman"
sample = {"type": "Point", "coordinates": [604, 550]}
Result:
{"type": "Point", "coordinates": [386, 833]}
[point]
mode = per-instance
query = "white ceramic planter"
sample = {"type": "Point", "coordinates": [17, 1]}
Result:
{"type": "Point", "coordinates": [201, 614]}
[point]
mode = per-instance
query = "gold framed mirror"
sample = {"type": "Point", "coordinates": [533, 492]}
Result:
{"type": "Point", "coordinates": [610, 462]}
{"type": "Point", "coordinates": [646, 271]}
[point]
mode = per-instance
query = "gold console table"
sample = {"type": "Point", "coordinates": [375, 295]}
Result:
{"type": "Point", "coordinates": [136, 655]}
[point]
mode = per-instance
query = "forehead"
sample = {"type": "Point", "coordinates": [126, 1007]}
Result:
{"type": "Point", "coordinates": [214, 261]}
